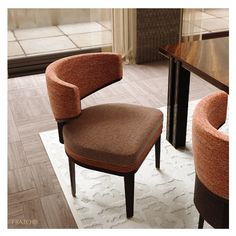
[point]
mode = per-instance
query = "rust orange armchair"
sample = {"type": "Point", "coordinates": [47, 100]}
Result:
{"type": "Point", "coordinates": [211, 158]}
{"type": "Point", "coordinates": [112, 138]}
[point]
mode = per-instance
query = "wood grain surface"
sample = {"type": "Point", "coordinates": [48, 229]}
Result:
{"type": "Point", "coordinates": [209, 59]}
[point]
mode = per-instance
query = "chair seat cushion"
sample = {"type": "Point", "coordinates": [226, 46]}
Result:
{"type": "Point", "coordinates": [113, 136]}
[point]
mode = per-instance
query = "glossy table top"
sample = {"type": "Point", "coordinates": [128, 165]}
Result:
{"type": "Point", "coordinates": [208, 59]}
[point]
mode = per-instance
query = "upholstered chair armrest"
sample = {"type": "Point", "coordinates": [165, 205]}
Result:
{"type": "Point", "coordinates": [64, 97]}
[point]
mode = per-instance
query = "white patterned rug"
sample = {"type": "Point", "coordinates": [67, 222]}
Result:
{"type": "Point", "coordinates": [163, 199]}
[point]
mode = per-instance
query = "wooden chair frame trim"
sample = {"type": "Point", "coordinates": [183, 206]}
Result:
{"type": "Point", "coordinates": [212, 208]}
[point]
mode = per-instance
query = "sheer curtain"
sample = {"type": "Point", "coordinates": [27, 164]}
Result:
{"type": "Point", "coordinates": [124, 28]}
{"type": "Point", "coordinates": [189, 30]}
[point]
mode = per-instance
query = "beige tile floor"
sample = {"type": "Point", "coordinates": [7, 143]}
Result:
{"type": "Point", "coordinates": [36, 41]}
{"type": "Point", "coordinates": [14, 49]}
{"type": "Point", "coordinates": [35, 33]}
{"type": "Point", "coordinates": [212, 24]}
{"type": "Point", "coordinates": [32, 46]}
{"type": "Point", "coordinates": [92, 39]}
{"type": "Point", "coordinates": [79, 28]}
{"type": "Point", "coordinates": [198, 21]}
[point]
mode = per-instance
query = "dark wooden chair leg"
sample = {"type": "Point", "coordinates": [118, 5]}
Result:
{"type": "Point", "coordinates": [72, 176]}
{"type": "Point", "coordinates": [129, 194]}
{"type": "Point", "coordinates": [158, 152]}
{"type": "Point", "coordinates": [200, 222]}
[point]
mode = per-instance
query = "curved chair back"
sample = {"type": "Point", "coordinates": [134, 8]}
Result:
{"type": "Point", "coordinates": [211, 159]}
{"type": "Point", "coordinates": [111, 138]}
{"type": "Point", "coordinates": [72, 78]}
{"type": "Point", "coordinates": [210, 146]}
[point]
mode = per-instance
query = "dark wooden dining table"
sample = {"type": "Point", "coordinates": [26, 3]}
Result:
{"type": "Point", "coordinates": [209, 59]}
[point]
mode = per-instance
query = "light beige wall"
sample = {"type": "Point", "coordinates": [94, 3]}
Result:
{"type": "Point", "coordinates": [30, 18]}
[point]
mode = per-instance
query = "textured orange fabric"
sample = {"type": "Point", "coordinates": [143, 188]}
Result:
{"type": "Point", "coordinates": [210, 146]}
{"type": "Point", "coordinates": [72, 78]}
{"type": "Point", "coordinates": [117, 135]}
